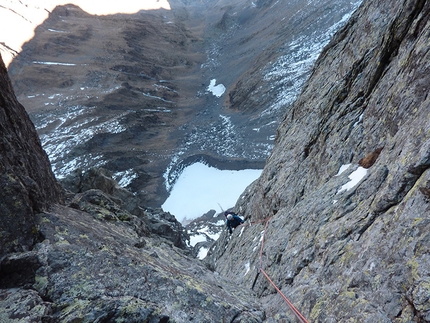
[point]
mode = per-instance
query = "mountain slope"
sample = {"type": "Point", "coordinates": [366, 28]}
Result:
{"type": "Point", "coordinates": [343, 250]}
{"type": "Point", "coordinates": [131, 92]}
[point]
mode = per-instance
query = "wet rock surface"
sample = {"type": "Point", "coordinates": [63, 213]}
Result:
{"type": "Point", "coordinates": [356, 254]}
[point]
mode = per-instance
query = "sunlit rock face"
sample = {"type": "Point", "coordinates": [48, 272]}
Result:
{"type": "Point", "coordinates": [341, 252]}
{"type": "Point", "coordinates": [145, 94]}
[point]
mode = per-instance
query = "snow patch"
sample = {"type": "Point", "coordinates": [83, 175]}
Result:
{"type": "Point", "coordinates": [217, 90]}
{"type": "Point", "coordinates": [57, 31]}
{"type": "Point", "coordinates": [360, 118]}
{"type": "Point", "coordinates": [70, 128]}
{"type": "Point", "coordinates": [356, 176]}
{"type": "Point", "coordinates": [54, 63]}
{"type": "Point", "coordinates": [342, 169]}
{"type": "Point", "coordinates": [247, 267]}
{"type": "Point", "coordinates": [201, 188]}
{"type": "Point", "coordinates": [125, 178]}
{"type": "Point", "coordinates": [202, 253]}
{"type": "Point", "coordinates": [195, 239]}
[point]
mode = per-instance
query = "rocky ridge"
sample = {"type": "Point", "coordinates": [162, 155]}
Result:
{"type": "Point", "coordinates": [343, 252]}
{"type": "Point", "coordinates": [28, 184]}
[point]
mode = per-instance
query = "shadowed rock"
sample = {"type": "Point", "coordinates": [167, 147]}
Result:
{"type": "Point", "coordinates": [27, 183]}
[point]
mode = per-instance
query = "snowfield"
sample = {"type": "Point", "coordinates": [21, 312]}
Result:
{"type": "Point", "coordinates": [201, 188]}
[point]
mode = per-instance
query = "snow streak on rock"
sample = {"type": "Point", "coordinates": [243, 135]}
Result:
{"type": "Point", "coordinates": [61, 132]}
{"type": "Point", "coordinates": [290, 71]}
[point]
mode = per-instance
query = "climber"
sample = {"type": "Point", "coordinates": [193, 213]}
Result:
{"type": "Point", "coordinates": [233, 220]}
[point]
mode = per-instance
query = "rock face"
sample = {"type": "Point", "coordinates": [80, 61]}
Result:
{"type": "Point", "coordinates": [94, 270]}
{"type": "Point", "coordinates": [357, 253]}
{"type": "Point", "coordinates": [107, 274]}
{"type": "Point", "coordinates": [27, 183]}
{"type": "Point", "coordinates": [131, 92]}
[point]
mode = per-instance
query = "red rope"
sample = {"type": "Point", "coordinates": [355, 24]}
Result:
{"type": "Point", "coordinates": [295, 311]}
{"type": "Point", "coordinates": [290, 305]}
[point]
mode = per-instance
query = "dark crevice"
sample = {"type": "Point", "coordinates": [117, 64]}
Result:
{"type": "Point", "coordinates": [366, 226]}
{"type": "Point", "coordinates": [398, 193]}
{"type": "Point", "coordinates": [236, 316]}
{"type": "Point", "coordinates": [255, 280]}
{"type": "Point", "coordinates": [19, 271]}
{"type": "Point", "coordinates": [415, 311]}
{"type": "Point", "coordinates": [164, 319]}
{"type": "Point", "coordinates": [391, 48]}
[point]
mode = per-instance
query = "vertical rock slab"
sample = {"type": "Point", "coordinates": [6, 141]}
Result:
{"type": "Point", "coordinates": [346, 252]}
{"type": "Point", "coordinates": [27, 183]}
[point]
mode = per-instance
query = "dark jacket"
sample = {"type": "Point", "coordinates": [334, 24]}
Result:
{"type": "Point", "coordinates": [233, 223]}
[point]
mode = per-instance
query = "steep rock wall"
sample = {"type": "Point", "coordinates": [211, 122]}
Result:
{"type": "Point", "coordinates": [27, 182]}
{"type": "Point", "coordinates": [359, 254]}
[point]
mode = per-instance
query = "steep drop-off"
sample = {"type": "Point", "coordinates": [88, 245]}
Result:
{"type": "Point", "coordinates": [340, 251]}
{"type": "Point", "coordinates": [360, 252]}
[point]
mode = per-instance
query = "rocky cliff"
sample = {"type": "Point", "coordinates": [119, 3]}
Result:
{"type": "Point", "coordinates": [27, 183]}
{"type": "Point", "coordinates": [339, 219]}
{"type": "Point", "coordinates": [348, 245]}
